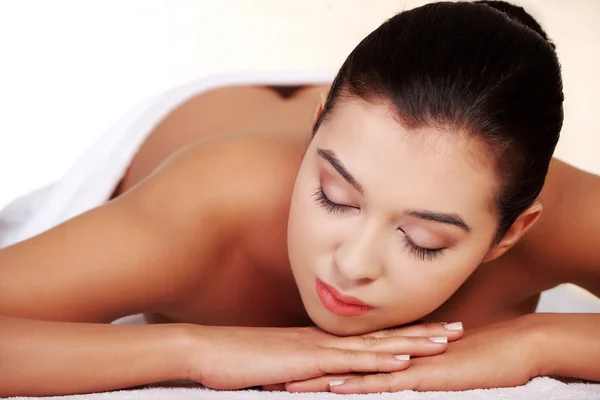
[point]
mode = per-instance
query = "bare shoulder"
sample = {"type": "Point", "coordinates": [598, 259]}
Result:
{"type": "Point", "coordinates": [241, 173]}
{"type": "Point", "coordinates": [248, 179]}
{"type": "Point", "coordinates": [154, 244]}
{"type": "Point", "coordinates": [566, 240]}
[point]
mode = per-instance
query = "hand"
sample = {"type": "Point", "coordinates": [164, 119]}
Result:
{"type": "Point", "coordinates": [414, 340]}
{"type": "Point", "coordinates": [238, 357]}
{"type": "Point", "coordinates": [499, 355]}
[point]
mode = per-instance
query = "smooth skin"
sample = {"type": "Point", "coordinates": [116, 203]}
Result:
{"type": "Point", "coordinates": [197, 235]}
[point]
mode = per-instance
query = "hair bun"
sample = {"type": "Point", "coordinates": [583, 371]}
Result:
{"type": "Point", "coordinates": [518, 14]}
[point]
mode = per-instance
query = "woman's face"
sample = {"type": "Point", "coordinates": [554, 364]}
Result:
{"type": "Point", "coordinates": [393, 218]}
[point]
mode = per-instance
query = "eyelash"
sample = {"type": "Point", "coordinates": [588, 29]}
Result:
{"type": "Point", "coordinates": [420, 252]}
{"type": "Point", "coordinates": [329, 206]}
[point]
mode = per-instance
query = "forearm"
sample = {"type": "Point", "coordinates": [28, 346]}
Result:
{"type": "Point", "coordinates": [571, 345]}
{"type": "Point", "coordinates": [53, 358]}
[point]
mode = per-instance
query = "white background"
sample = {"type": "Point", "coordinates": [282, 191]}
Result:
{"type": "Point", "coordinates": [71, 68]}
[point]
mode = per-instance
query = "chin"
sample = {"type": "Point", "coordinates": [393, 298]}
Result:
{"type": "Point", "coordinates": [340, 326]}
{"type": "Point", "coordinates": [345, 330]}
{"type": "Point", "coordinates": [352, 326]}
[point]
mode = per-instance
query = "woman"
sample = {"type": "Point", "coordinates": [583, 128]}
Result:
{"type": "Point", "coordinates": [408, 203]}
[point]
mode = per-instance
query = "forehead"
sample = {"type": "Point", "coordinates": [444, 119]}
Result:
{"type": "Point", "coordinates": [426, 168]}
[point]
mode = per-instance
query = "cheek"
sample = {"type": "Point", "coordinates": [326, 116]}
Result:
{"type": "Point", "coordinates": [416, 288]}
{"type": "Point", "coordinates": [305, 224]}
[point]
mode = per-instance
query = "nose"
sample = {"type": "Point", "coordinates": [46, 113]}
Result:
{"type": "Point", "coordinates": [358, 257]}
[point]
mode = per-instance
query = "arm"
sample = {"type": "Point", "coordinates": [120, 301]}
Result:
{"type": "Point", "coordinates": [134, 254]}
{"type": "Point", "coordinates": [44, 358]}
{"type": "Point", "coordinates": [568, 345]}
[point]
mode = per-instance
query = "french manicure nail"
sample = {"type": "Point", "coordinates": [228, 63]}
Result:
{"type": "Point", "coordinates": [402, 357]}
{"type": "Point", "coordinates": [455, 326]}
{"type": "Point", "coordinates": [335, 383]}
{"type": "Point", "coordinates": [439, 339]}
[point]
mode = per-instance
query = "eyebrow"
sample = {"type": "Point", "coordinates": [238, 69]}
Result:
{"type": "Point", "coordinates": [332, 159]}
{"type": "Point", "coordinates": [451, 219]}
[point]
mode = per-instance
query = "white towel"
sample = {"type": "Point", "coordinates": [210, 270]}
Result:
{"type": "Point", "coordinates": [537, 389]}
{"type": "Point", "coordinates": [94, 176]}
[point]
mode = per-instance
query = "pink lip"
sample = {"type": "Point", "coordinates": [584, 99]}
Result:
{"type": "Point", "coordinates": [340, 304]}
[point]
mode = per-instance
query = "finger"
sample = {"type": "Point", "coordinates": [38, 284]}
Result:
{"type": "Point", "coordinates": [374, 383]}
{"type": "Point", "coordinates": [320, 384]}
{"type": "Point", "coordinates": [341, 361]}
{"type": "Point", "coordinates": [452, 331]}
{"type": "Point", "coordinates": [413, 346]}
{"type": "Point", "coordinates": [276, 387]}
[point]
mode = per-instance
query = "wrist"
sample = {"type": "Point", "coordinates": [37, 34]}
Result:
{"type": "Point", "coordinates": [542, 338]}
{"type": "Point", "coordinates": [181, 348]}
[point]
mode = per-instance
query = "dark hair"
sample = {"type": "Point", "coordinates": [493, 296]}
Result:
{"type": "Point", "coordinates": [486, 69]}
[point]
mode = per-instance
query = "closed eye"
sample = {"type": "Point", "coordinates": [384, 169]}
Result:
{"type": "Point", "coordinates": [322, 200]}
{"type": "Point", "coordinates": [422, 253]}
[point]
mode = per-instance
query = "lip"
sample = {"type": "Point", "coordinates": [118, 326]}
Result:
{"type": "Point", "coordinates": [340, 304]}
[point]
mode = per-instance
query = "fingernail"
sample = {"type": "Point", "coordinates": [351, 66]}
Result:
{"type": "Point", "coordinates": [439, 339]}
{"type": "Point", "coordinates": [336, 383]}
{"type": "Point", "coordinates": [402, 357]}
{"type": "Point", "coordinates": [455, 326]}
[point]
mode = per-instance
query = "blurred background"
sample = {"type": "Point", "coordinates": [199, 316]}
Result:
{"type": "Point", "coordinates": [71, 68]}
